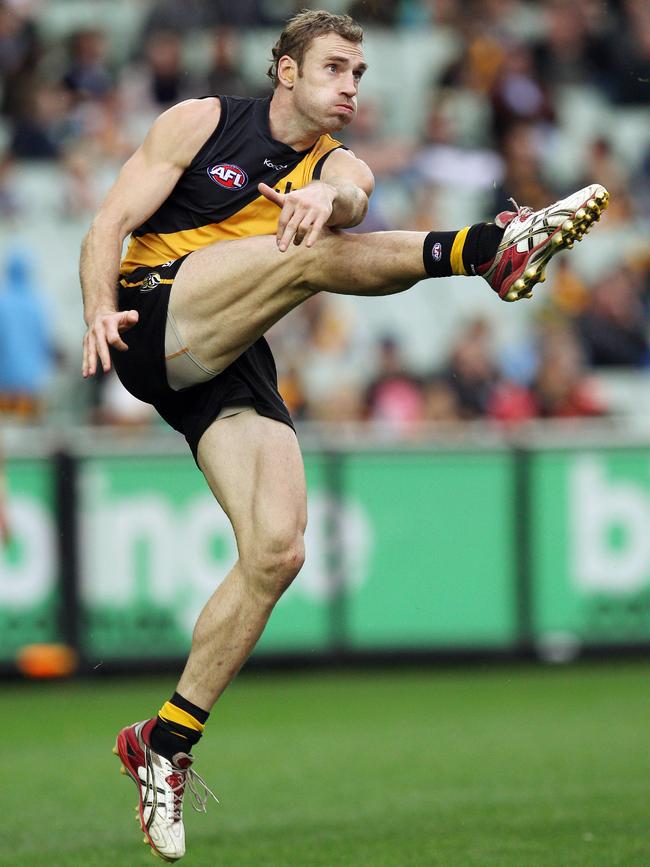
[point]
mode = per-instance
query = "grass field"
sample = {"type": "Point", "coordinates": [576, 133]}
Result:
{"type": "Point", "coordinates": [498, 766]}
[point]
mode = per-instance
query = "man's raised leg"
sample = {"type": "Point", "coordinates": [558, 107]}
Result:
{"type": "Point", "coordinates": [228, 294]}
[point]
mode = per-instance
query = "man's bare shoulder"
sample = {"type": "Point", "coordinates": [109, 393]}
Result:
{"type": "Point", "coordinates": [187, 125]}
{"type": "Point", "coordinates": [193, 111]}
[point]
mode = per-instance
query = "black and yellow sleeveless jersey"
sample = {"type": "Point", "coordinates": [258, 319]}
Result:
{"type": "Point", "coordinates": [216, 198]}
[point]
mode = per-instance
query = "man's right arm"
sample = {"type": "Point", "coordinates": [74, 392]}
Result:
{"type": "Point", "coordinates": [143, 184]}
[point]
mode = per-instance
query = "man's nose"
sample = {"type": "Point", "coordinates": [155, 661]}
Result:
{"type": "Point", "coordinates": [349, 86]}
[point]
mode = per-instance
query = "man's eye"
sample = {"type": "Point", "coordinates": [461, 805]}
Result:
{"type": "Point", "coordinates": [333, 67]}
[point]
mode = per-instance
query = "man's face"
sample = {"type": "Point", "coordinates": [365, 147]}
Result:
{"type": "Point", "coordinates": [326, 89]}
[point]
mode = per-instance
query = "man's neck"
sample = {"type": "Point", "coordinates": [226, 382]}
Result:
{"type": "Point", "coordinates": [288, 126]}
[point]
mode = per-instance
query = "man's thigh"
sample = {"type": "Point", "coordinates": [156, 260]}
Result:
{"type": "Point", "coordinates": [254, 468]}
{"type": "Point", "coordinates": [227, 295]}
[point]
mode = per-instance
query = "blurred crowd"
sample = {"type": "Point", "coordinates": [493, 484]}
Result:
{"type": "Point", "coordinates": [493, 122]}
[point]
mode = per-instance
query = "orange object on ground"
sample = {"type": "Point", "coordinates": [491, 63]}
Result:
{"type": "Point", "coordinates": [46, 660]}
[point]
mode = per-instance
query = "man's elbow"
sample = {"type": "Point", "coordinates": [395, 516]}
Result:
{"type": "Point", "coordinates": [108, 225]}
{"type": "Point", "coordinates": [360, 208]}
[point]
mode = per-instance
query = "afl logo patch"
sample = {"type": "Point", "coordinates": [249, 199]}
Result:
{"type": "Point", "coordinates": [437, 251]}
{"type": "Point", "coordinates": [228, 176]}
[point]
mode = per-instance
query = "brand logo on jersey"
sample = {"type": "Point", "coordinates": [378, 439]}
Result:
{"type": "Point", "coordinates": [270, 165]}
{"type": "Point", "coordinates": [437, 251]}
{"type": "Point", "coordinates": [228, 176]}
{"type": "Point", "coordinates": [150, 282]}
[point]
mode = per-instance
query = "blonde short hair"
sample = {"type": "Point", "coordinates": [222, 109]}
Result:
{"type": "Point", "coordinates": [304, 27]}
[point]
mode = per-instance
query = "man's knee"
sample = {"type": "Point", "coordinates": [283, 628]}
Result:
{"type": "Point", "coordinates": [272, 561]}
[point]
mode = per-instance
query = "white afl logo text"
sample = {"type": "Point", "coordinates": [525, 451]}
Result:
{"type": "Point", "coordinates": [229, 176]}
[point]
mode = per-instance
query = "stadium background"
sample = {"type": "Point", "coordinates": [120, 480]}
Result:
{"type": "Point", "coordinates": [478, 473]}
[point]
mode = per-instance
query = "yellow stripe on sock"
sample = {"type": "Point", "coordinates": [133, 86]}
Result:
{"type": "Point", "coordinates": [456, 256]}
{"type": "Point", "coordinates": [171, 713]}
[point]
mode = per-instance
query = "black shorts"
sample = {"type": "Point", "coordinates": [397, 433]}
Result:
{"type": "Point", "coordinates": [250, 380]}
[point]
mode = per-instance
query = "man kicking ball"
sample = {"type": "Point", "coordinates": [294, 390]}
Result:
{"type": "Point", "coordinates": [235, 209]}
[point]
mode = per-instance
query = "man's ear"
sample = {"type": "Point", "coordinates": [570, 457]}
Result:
{"type": "Point", "coordinates": [287, 70]}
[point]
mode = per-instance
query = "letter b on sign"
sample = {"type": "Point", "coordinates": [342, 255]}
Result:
{"type": "Point", "coordinates": [610, 530]}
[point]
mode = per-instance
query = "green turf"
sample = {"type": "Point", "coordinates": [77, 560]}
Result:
{"type": "Point", "coordinates": [494, 766]}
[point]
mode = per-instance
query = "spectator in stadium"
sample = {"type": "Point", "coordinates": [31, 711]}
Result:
{"type": "Point", "coordinates": [476, 68]}
{"type": "Point", "coordinates": [161, 79]}
{"type": "Point", "coordinates": [569, 292]}
{"type": "Point", "coordinates": [394, 397]}
{"type": "Point", "coordinates": [442, 161]}
{"type": "Point", "coordinates": [44, 126]}
{"type": "Point", "coordinates": [224, 71]}
{"type": "Point", "coordinates": [20, 51]}
{"type": "Point", "coordinates": [376, 12]}
{"type": "Point", "coordinates": [196, 15]}
{"type": "Point", "coordinates": [511, 403]}
{"type": "Point", "coordinates": [631, 82]}
{"type": "Point", "coordinates": [472, 370]}
{"type": "Point", "coordinates": [518, 95]}
{"type": "Point", "coordinates": [9, 204]}
{"type": "Point", "coordinates": [612, 328]}
{"type": "Point", "coordinates": [87, 75]}
{"type": "Point", "coordinates": [320, 351]}
{"type": "Point", "coordinates": [600, 157]}
{"type": "Point", "coordinates": [26, 346]}
{"type": "Point", "coordinates": [562, 388]}
{"type": "Point", "coordinates": [390, 154]}
{"type": "Point", "coordinates": [523, 178]}
{"type": "Point", "coordinates": [439, 402]}
{"type": "Point", "coordinates": [574, 48]}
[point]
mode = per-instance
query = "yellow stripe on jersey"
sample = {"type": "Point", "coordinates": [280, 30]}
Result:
{"type": "Point", "coordinates": [259, 217]}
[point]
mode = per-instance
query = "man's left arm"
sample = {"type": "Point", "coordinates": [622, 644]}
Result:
{"type": "Point", "coordinates": [338, 200]}
{"type": "Point", "coordinates": [353, 183]}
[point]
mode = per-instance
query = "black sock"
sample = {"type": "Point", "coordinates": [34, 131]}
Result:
{"type": "Point", "coordinates": [437, 253]}
{"type": "Point", "coordinates": [179, 726]}
{"type": "Point", "coordinates": [480, 246]}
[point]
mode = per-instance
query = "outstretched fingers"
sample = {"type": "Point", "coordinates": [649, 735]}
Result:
{"type": "Point", "coordinates": [299, 224]}
{"type": "Point", "coordinates": [288, 225]}
{"type": "Point", "coordinates": [303, 213]}
{"type": "Point", "coordinates": [127, 319]}
{"type": "Point", "coordinates": [271, 194]}
{"type": "Point", "coordinates": [104, 332]}
{"type": "Point", "coordinates": [314, 232]}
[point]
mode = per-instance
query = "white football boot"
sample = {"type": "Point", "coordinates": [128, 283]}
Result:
{"type": "Point", "coordinates": [531, 238]}
{"type": "Point", "coordinates": [161, 786]}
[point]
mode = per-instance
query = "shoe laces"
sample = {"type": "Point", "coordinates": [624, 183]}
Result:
{"type": "Point", "coordinates": [199, 791]}
{"type": "Point", "coordinates": [523, 211]}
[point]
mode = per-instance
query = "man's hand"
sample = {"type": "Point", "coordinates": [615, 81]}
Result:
{"type": "Point", "coordinates": [103, 331]}
{"type": "Point", "coordinates": [304, 212]}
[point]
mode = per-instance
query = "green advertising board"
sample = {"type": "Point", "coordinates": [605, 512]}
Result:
{"type": "Point", "coordinates": [439, 567]}
{"type": "Point", "coordinates": [29, 564]}
{"type": "Point", "coordinates": [155, 545]}
{"type": "Point", "coordinates": [403, 550]}
{"type": "Point", "coordinates": [590, 545]}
